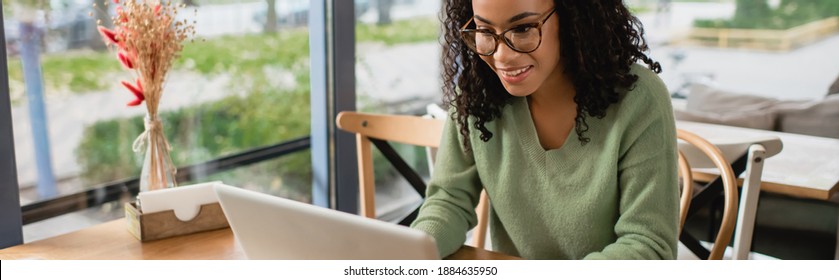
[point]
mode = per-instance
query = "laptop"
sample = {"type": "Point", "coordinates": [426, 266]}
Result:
{"type": "Point", "coordinates": [270, 227]}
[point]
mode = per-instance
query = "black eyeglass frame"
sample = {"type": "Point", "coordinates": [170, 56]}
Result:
{"type": "Point", "coordinates": [500, 37]}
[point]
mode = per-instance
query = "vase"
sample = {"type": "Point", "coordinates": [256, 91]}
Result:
{"type": "Point", "coordinates": [158, 170]}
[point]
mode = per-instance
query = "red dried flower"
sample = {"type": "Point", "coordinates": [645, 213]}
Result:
{"type": "Point", "coordinates": [109, 35]}
{"type": "Point", "coordinates": [126, 60]}
{"type": "Point", "coordinates": [121, 14]}
{"type": "Point", "coordinates": [147, 41]}
{"type": "Point", "coordinates": [136, 90]}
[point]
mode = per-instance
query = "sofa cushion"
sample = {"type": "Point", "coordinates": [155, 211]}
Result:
{"type": "Point", "coordinates": [817, 118]}
{"type": "Point", "coordinates": [709, 105]}
{"type": "Point", "coordinates": [749, 119]}
{"type": "Point", "coordinates": [707, 99]}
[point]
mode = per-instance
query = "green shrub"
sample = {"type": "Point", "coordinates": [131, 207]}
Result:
{"type": "Point", "coordinates": [246, 55]}
{"type": "Point", "coordinates": [756, 14]}
{"type": "Point", "coordinates": [399, 32]}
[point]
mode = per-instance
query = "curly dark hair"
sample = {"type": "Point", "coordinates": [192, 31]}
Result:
{"type": "Point", "coordinates": [600, 41]}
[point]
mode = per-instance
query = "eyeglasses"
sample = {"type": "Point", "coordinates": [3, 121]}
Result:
{"type": "Point", "coordinates": [523, 38]}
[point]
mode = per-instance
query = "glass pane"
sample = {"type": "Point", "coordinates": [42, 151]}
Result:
{"type": "Point", "coordinates": [397, 72]}
{"type": "Point", "coordinates": [691, 41]}
{"type": "Point", "coordinates": [242, 83]}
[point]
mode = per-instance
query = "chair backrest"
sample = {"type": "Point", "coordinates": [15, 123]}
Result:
{"type": "Point", "coordinates": [412, 130]}
{"type": "Point", "coordinates": [729, 181]}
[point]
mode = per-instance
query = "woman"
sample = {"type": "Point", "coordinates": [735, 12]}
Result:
{"type": "Point", "coordinates": [574, 142]}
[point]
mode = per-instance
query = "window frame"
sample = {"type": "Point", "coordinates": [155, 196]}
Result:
{"type": "Point", "coordinates": [11, 227]}
{"type": "Point", "coordinates": [332, 57]}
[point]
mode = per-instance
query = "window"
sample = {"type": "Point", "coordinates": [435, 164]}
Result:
{"type": "Point", "coordinates": [242, 85]}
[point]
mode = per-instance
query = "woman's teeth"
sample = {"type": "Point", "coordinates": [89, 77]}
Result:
{"type": "Point", "coordinates": [515, 72]}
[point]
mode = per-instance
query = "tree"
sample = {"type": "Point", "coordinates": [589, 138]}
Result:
{"type": "Point", "coordinates": [751, 11]}
{"type": "Point", "coordinates": [101, 15]}
{"type": "Point", "coordinates": [271, 17]}
{"type": "Point", "coordinates": [383, 6]}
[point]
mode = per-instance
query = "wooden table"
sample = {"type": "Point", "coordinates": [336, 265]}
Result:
{"type": "Point", "coordinates": [807, 167]}
{"type": "Point", "coordinates": [112, 241]}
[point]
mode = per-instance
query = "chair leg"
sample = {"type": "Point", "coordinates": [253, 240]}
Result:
{"type": "Point", "coordinates": [748, 203]}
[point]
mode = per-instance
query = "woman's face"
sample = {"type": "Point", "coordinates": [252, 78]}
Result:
{"type": "Point", "coordinates": [521, 74]}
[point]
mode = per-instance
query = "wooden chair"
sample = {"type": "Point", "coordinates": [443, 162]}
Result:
{"type": "Point", "coordinates": [743, 155]}
{"type": "Point", "coordinates": [375, 128]}
{"type": "Point", "coordinates": [379, 129]}
{"type": "Point", "coordinates": [729, 181]}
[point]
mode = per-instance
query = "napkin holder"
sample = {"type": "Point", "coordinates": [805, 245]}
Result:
{"type": "Point", "coordinates": [174, 212]}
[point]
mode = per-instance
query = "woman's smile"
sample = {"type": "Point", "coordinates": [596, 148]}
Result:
{"type": "Point", "coordinates": [514, 75]}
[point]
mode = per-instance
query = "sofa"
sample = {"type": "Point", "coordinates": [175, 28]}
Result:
{"type": "Point", "coordinates": [710, 105]}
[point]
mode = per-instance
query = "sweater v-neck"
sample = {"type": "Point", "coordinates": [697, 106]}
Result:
{"type": "Point", "coordinates": [527, 130]}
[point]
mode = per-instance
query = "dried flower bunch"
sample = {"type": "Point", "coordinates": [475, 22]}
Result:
{"type": "Point", "coordinates": [148, 38]}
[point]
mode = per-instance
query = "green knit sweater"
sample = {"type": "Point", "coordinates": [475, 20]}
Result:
{"type": "Point", "coordinates": [614, 198]}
